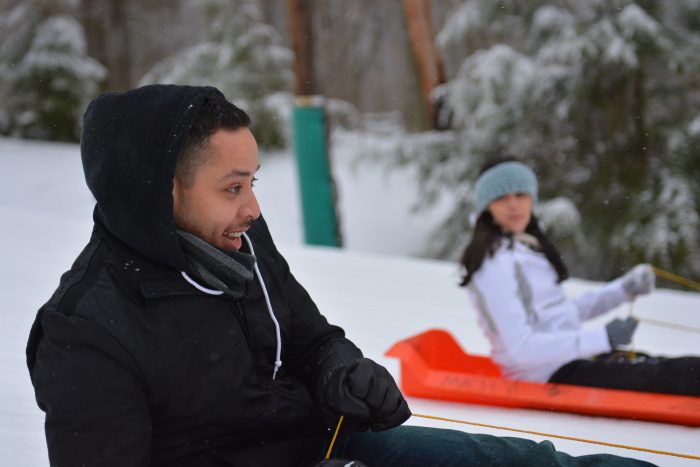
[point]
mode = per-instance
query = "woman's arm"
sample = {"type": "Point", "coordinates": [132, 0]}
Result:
{"type": "Point", "coordinates": [502, 297]}
{"type": "Point", "coordinates": [601, 300]}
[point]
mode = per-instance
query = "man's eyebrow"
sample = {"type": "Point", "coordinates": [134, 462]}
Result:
{"type": "Point", "coordinates": [238, 174]}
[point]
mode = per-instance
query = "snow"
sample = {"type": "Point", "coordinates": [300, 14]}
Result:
{"type": "Point", "coordinates": [377, 297]}
{"type": "Point", "coordinates": [694, 127]}
{"type": "Point", "coordinates": [490, 82]}
{"type": "Point", "coordinates": [60, 44]}
{"type": "Point", "coordinates": [559, 215]}
{"type": "Point", "coordinates": [466, 18]}
{"type": "Point", "coordinates": [538, 80]}
{"type": "Point", "coordinates": [549, 19]}
{"type": "Point", "coordinates": [619, 50]}
{"type": "Point", "coordinates": [634, 20]}
{"type": "Point", "coordinates": [54, 76]}
{"type": "Point", "coordinates": [240, 55]}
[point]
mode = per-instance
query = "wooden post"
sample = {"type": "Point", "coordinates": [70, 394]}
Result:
{"type": "Point", "coordinates": [310, 135]}
{"type": "Point", "coordinates": [430, 66]}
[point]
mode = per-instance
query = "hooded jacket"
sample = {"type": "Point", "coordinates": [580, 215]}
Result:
{"type": "Point", "coordinates": [133, 364]}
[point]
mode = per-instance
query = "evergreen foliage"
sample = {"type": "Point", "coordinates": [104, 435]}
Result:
{"type": "Point", "coordinates": [46, 77]}
{"type": "Point", "coordinates": [601, 98]}
{"type": "Point", "coordinates": [244, 58]}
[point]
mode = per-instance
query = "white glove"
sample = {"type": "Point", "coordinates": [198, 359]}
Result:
{"type": "Point", "coordinates": [639, 281]}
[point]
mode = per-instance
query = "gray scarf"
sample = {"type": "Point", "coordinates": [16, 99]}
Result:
{"type": "Point", "coordinates": [221, 269]}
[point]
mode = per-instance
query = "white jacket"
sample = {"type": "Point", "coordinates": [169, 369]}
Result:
{"type": "Point", "coordinates": [533, 327]}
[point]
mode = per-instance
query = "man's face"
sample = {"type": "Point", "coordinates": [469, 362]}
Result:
{"type": "Point", "coordinates": [220, 204]}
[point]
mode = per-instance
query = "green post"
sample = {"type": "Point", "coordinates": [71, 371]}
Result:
{"type": "Point", "coordinates": [315, 181]}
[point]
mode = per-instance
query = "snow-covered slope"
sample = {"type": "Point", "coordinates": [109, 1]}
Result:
{"type": "Point", "coordinates": [378, 298]}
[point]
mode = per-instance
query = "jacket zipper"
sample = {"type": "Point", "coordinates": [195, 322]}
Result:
{"type": "Point", "coordinates": [240, 315]}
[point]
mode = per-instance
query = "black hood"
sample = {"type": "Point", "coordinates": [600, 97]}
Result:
{"type": "Point", "coordinates": [129, 147]}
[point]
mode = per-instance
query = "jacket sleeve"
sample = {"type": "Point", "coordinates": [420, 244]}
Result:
{"type": "Point", "coordinates": [499, 298]}
{"type": "Point", "coordinates": [96, 410]}
{"type": "Point", "coordinates": [601, 300]}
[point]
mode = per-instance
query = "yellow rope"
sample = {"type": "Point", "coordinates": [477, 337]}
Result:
{"type": "Point", "coordinates": [658, 272]}
{"type": "Point", "coordinates": [335, 435]}
{"type": "Point", "coordinates": [676, 278]}
{"type": "Point", "coordinates": [679, 327]}
{"type": "Point", "coordinates": [680, 280]}
{"type": "Point", "coordinates": [549, 435]}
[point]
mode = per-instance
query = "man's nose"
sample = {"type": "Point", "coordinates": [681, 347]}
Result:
{"type": "Point", "coordinates": [251, 208]}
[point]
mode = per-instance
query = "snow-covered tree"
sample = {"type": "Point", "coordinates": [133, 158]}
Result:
{"type": "Point", "coordinates": [48, 79]}
{"type": "Point", "coordinates": [243, 57]}
{"type": "Point", "coordinates": [601, 98]}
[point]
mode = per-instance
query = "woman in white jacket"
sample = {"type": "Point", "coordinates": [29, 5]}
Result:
{"type": "Point", "coordinates": [514, 276]}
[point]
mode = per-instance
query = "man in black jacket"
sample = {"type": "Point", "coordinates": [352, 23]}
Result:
{"type": "Point", "coordinates": [180, 338]}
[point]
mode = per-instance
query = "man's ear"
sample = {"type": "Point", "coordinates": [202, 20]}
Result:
{"type": "Point", "coordinates": [177, 193]}
{"type": "Point", "coordinates": [177, 186]}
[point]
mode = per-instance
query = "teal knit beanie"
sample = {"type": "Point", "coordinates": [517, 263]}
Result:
{"type": "Point", "coordinates": [504, 178]}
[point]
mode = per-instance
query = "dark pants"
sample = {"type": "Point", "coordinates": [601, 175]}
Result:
{"type": "Point", "coordinates": [636, 372]}
{"type": "Point", "coordinates": [408, 446]}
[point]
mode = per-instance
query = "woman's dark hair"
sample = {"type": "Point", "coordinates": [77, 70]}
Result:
{"type": "Point", "coordinates": [487, 234]}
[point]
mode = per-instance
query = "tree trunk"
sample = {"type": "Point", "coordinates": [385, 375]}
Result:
{"type": "Point", "coordinates": [430, 66]}
{"type": "Point", "coordinates": [120, 74]}
{"type": "Point", "coordinates": [302, 44]}
{"type": "Point", "coordinates": [90, 16]}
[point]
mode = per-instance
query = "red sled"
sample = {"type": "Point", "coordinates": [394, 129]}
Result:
{"type": "Point", "coordinates": [434, 366]}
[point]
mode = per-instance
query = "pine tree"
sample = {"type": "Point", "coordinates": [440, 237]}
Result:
{"type": "Point", "coordinates": [47, 76]}
{"type": "Point", "coordinates": [241, 56]}
{"type": "Point", "coordinates": [600, 98]}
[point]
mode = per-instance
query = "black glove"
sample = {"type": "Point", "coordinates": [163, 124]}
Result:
{"type": "Point", "coordinates": [363, 391]}
{"type": "Point", "coordinates": [620, 331]}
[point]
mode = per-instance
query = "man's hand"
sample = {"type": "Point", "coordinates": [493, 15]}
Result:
{"type": "Point", "coordinates": [639, 281]}
{"type": "Point", "coordinates": [364, 391]}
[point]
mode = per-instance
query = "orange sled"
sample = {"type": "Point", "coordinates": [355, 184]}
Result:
{"type": "Point", "coordinates": [433, 365]}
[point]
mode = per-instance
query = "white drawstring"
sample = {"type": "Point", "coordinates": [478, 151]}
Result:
{"type": "Point", "coordinates": [278, 336]}
{"type": "Point", "coordinates": [199, 286]}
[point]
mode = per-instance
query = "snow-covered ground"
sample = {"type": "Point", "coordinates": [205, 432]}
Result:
{"type": "Point", "coordinates": [371, 288]}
